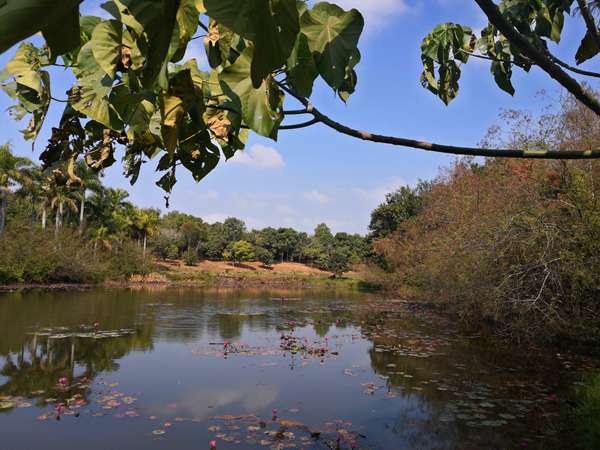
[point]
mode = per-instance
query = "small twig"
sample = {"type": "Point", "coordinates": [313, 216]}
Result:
{"type": "Point", "coordinates": [300, 125]}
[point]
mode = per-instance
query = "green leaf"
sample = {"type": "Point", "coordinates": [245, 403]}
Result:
{"type": "Point", "coordinates": [174, 105]}
{"type": "Point", "coordinates": [106, 42]}
{"type": "Point", "coordinates": [275, 37]}
{"type": "Point", "coordinates": [187, 24]}
{"type": "Point", "coordinates": [64, 34]}
{"type": "Point", "coordinates": [272, 25]}
{"type": "Point", "coordinates": [587, 49]}
{"type": "Point", "coordinates": [441, 49]}
{"type": "Point", "coordinates": [167, 181]}
{"type": "Point", "coordinates": [502, 75]}
{"type": "Point", "coordinates": [20, 19]}
{"type": "Point", "coordinates": [197, 153]}
{"type": "Point", "coordinates": [302, 68]}
{"type": "Point", "coordinates": [158, 20]}
{"type": "Point", "coordinates": [333, 36]}
{"type": "Point", "coordinates": [90, 97]}
{"type": "Point", "coordinates": [261, 108]}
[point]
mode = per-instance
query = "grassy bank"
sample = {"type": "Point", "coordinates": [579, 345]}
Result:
{"type": "Point", "coordinates": [251, 274]}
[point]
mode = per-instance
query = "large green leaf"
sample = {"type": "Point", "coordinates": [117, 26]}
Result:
{"type": "Point", "coordinates": [158, 21]}
{"type": "Point", "coordinates": [196, 152]}
{"type": "Point", "coordinates": [333, 36]}
{"type": "Point", "coordinates": [20, 19]}
{"type": "Point", "coordinates": [272, 25]}
{"type": "Point", "coordinates": [90, 97]}
{"type": "Point", "coordinates": [63, 35]}
{"type": "Point", "coordinates": [261, 108]}
{"type": "Point", "coordinates": [105, 44]}
{"type": "Point", "coordinates": [443, 50]}
{"type": "Point", "coordinates": [31, 87]}
{"type": "Point", "coordinates": [587, 49]}
{"type": "Point", "coordinates": [302, 68]}
{"type": "Point", "coordinates": [275, 38]}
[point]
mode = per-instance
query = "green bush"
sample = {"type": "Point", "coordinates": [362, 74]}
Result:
{"type": "Point", "coordinates": [190, 257]}
{"type": "Point", "coordinates": [34, 256]}
{"type": "Point", "coordinates": [588, 412]}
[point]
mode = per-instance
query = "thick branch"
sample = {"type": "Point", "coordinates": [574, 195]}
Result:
{"type": "Point", "coordinates": [440, 148]}
{"type": "Point", "coordinates": [590, 23]}
{"type": "Point", "coordinates": [540, 59]}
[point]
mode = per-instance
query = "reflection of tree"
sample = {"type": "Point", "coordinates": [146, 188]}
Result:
{"type": "Point", "coordinates": [34, 371]}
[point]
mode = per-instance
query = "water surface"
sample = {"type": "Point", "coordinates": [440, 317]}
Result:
{"type": "Point", "coordinates": [177, 368]}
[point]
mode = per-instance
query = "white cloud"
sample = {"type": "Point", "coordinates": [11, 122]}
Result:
{"type": "Point", "coordinates": [317, 197]}
{"type": "Point", "coordinates": [376, 12]}
{"type": "Point", "coordinates": [375, 196]}
{"type": "Point", "coordinates": [215, 217]}
{"type": "Point", "coordinates": [259, 157]}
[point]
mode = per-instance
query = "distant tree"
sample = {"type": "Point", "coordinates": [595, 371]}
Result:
{"type": "Point", "coordinates": [323, 237]}
{"type": "Point", "coordinates": [264, 256]}
{"type": "Point", "coordinates": [146, 224]}
{"type": "Point", "coordinates": [61, 197]}
{"type": "Point", "coordinates": [13, 171]}
{"type": "Point", "coordinates": [233, 230]}
{"type": "Point", "coordinates": [190, 257]}
{"type": "Point", "coordinates": [195, 233]}
{"type": "Point", "coordinates": [356, 244]}
{"type": "Point", "coordinates": [172, 252]}
{"type": "Point", "coordinates": [88, 180]}
{"type": "Point", "coordinates": [338, 261]}
{"type": "Point", "coordinates": [399, 206]}
{"type": "Point", "coordinates": [238, 252]}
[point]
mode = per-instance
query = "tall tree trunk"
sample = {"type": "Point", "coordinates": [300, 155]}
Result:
{"type": "Point", "coordinates": [58, 219]}
{"type": "Point", "coordinates": [44, 217]}
{"type": "Point", "coordinates": [82, 212]}
{"type": "Point", "coordinates": [3, 208]}
{"type": "Point", "coordinates": [145, 242]}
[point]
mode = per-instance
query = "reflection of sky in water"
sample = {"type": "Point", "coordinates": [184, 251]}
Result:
{"type": "Point", "coordinates": [170, 366]}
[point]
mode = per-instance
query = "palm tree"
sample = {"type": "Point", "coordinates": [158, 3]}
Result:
{"type": "Point", "coordinates": [89, 180]}
{"type": "Point", "coordinates": [61, 197]}
{"type": "Point", "coordinates": [146, 223]}
{"type": "Point", "coordinates": [101, 236]}
{"type": "Point", "coordinates": [104, 203]}
{"type": "Point", "coordinates": [13, 171]}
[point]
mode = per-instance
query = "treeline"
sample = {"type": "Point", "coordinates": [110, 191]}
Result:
{"type": "Point", "coordinates": [190, 238]}
{"type": "Point", "coordinates": [52, 230]}
{"type": "Point", "coordinates": [508, 243]}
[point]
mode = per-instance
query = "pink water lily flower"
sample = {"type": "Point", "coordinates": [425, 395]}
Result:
{"type": "Point", "coordinates": [62, 381]}
{"type": "Point", "coordinates": [213, 444]}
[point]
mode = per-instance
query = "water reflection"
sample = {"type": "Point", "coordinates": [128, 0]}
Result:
{"type": "Point", "coordinates": [374, 374]}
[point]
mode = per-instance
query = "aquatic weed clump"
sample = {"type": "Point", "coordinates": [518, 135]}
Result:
{"type": "Point", "coordinates": [588, 412]}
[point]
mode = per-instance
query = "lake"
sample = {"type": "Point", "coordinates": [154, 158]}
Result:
{"type": "Point", "coordinates": [184, 369]}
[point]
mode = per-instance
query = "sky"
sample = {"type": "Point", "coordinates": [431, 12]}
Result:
{"type": "Point", "coordinates": [316, 175]}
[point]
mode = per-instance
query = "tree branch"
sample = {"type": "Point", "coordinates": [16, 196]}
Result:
{"type": "Point", "coordinates": [439, 148]}
{"type": "Point", "coordinates": [539, 58]}
{"type": "Point", "coordinates": [552, 57]}
{"type": "Point", "coordinates": [590, 23]}
{"type": "Point", "coordinates": [300, 125]}
{"type": "Point", "coordinates": [573, 69]}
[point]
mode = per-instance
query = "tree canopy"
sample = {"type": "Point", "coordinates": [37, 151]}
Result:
{"type": "Point", "coordinates": [133, 88]}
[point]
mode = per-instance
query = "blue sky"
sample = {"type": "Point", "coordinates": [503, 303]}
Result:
{"type": "Point", "coordinates": [316, 175]}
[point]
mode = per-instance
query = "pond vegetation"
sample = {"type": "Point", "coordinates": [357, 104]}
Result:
{"type": "Point", "coordinates": [157, 368]}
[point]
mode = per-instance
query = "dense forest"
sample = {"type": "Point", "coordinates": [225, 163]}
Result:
{"type": "Point", "coordinates": [511, 243]}
{"type": "Point", "coordinates": [84, 231]}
